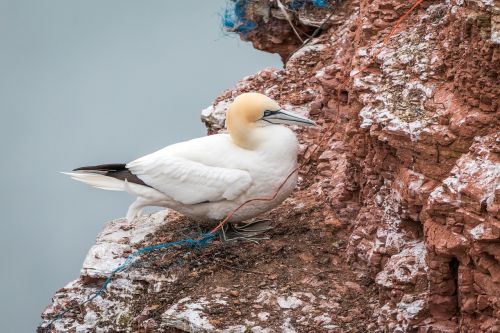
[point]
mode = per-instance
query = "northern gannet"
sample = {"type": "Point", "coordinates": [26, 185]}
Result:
{"type": "Point", "coordinates": [208, 177]}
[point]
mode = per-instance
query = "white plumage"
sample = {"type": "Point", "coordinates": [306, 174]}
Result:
{"type": "Point", "coordinates": [208, 177]}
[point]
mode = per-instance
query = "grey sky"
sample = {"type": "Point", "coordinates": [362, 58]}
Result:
{"type": "Point", "coordinates": [86, 82]}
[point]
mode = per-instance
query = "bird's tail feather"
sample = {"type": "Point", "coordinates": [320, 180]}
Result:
{"type": "Point", "coordinates": [105, 182]}
{"type": "Point", "coordinates": [98, 180]}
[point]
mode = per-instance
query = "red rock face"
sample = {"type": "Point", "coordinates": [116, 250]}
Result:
{"type": "Point", "coordinates": [410, 166]}
{"type": "Point", "coordinates": [462, 232]}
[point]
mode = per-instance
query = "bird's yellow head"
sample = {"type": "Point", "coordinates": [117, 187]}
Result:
{"type": "Point", "coordinates": [250, 107]}
{"type": "Point", "coordinates": [251, 110]}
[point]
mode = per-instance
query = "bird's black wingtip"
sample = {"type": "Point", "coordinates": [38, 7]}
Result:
{"type": "Point", "coordinates": [103, 167]}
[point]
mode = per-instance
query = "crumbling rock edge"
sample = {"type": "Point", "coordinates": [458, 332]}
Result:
{"type": "Point", "coordinates": [394, 226]}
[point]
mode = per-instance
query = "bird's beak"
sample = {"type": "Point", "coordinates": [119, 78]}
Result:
{"type": "Point", "coordinates": [285, 117]}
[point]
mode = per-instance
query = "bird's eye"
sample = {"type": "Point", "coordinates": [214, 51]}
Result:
{"type": "Point", "coordinates": [267, 113]}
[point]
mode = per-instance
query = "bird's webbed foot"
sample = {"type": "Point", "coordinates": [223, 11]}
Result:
{"type": "Point", "coordinates": [251, 231]}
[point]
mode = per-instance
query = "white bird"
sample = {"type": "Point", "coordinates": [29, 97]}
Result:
{"type": "Point", "coordinates": [208, 177]}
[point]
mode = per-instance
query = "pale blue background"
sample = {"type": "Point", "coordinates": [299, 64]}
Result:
{"type": "Point", "coordinates": [86, 82]}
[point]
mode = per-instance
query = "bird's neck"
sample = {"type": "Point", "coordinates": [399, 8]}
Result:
{"type": "Point", "coordinates": [241, 132]}
{"type": "Point", "coordinates": [274, 139]}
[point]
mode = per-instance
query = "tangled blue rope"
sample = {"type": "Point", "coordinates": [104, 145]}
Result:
{"type": "Point", "coordinates": [299, 4]}
{"type": "Point", "coordinates": [203, 241]}
{"type": "Point", "coordinates": [234, 18]}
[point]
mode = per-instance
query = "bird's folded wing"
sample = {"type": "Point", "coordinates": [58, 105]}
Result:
{"type": "Point", "coordinates": [190, 182]}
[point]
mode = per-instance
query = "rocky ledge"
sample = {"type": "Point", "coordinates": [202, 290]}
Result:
{"type": "Point", "coordinates": [394, 226]}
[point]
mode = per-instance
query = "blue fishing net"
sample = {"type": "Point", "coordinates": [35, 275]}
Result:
{"type": "Point", "coordinates": [233, 18]}
{"type": "Point", "coordinates": [299, 4]}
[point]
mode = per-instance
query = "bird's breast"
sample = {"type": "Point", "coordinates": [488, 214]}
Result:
{"type": "Point", "coordinates": [272, 164]}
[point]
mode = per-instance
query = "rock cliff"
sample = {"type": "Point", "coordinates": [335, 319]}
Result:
{"type": "Point", "coordinates": [394, 226]}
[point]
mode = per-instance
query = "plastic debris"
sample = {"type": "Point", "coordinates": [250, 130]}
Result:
{"type": "Point", "coordinates": [234, 17]}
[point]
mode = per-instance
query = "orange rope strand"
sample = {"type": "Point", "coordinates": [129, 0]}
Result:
{"type": "Point", "coordinates": [389, 35]}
